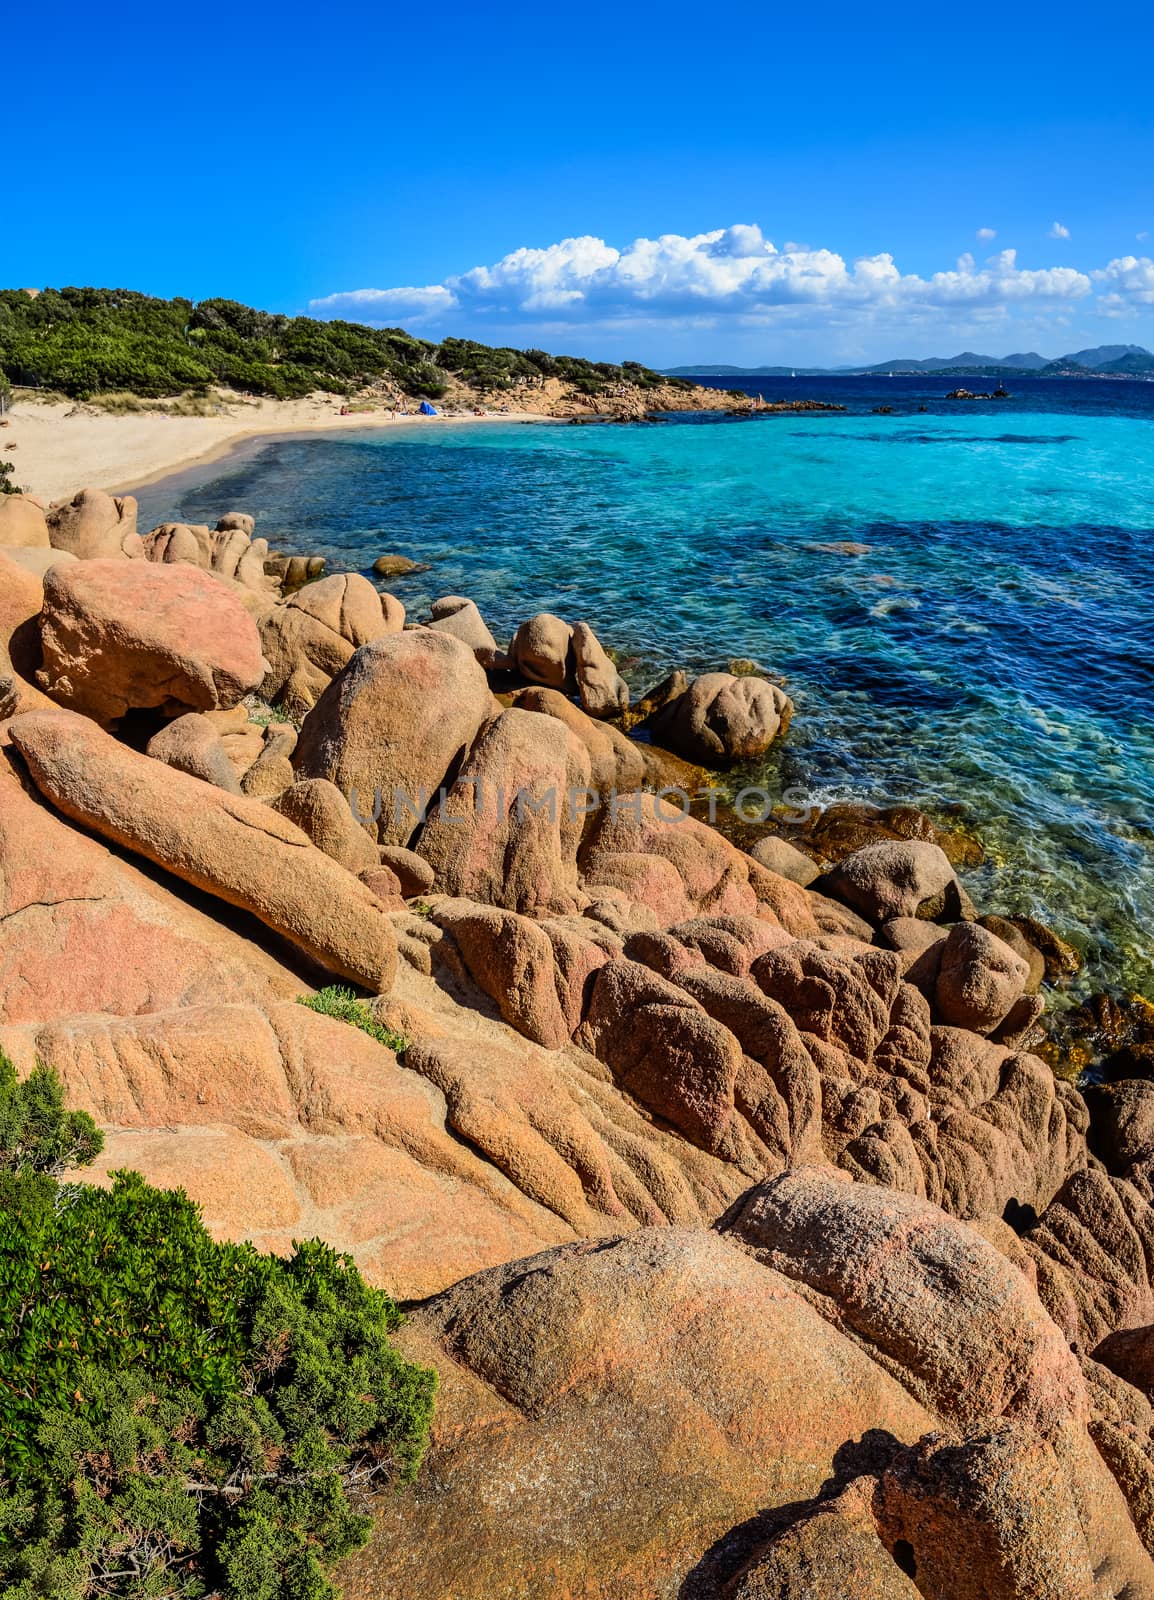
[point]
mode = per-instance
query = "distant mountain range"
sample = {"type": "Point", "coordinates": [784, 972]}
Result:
{"type": "Point", "coordinates": [1105, 360]}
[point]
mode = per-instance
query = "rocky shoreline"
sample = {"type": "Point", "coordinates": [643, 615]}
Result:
{"type": "Point", "coordinates": [759, 1251]}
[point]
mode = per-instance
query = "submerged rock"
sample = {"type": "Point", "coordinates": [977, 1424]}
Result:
{"type": "Point", "coordinates": [397, 566]}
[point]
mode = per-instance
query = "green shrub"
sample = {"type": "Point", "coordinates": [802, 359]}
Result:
{"type": "Point", "coordinates": [37, 1134]}
{"type": "Point", "coordinates": [88, 342]}
{"type": "Point", "coordinates": [180, 1418]}
{"type": "Point", "coordinates": [343, 1005]}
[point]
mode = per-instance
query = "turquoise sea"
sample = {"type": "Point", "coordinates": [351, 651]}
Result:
{"type": "Point", "coordinates": [993, 650]}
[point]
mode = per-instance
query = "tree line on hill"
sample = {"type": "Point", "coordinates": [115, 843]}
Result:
{"type": "Point", "coordinates": [86, 342]}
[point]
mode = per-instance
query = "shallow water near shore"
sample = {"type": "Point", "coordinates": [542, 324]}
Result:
{"type": "Point", "coordinates": [992, 650]}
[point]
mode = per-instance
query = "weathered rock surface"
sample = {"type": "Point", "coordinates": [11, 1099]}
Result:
{"type": "Point", "coordinates": [915, 1357]}
{"type": "Point", "coordinates": [35, 558]}
{"type": "Point", "coordinates": [320, 810]}
{"type": "Point", "coordinates": [1002, 1502]}
{"type": "Point", "coordinates": [786, 860]}
{"type": "Point", "coordinates": [832, 1551]}
{"type": "Point", "coordinates": [192, 744]}
{"type": "Point", "coordinates": [898, 878]}
{"type": "Point", "coordinates": [309, 638]}
{"type": "Point", "coordinates": [289, 573]}
{"type": "Point", "coordinates": [288, 1121]}
{"type": "Point", "coordinates": [1121, 1122]}
{"type": "Point", "coordinates": [269, 771]}
{"type": "Point", "coordinates": [414, 875]}
{"type": "Point", "coordinates": [1091, 1248]}
{"type": "Point", "coordinates": [95, 525]}
{"type": "Point", "coordinates": [680, 1414]}
{"type": "Point", "coordinates": [23, 523]}
{"type": "Point", "coordinates": [229, 550]}
{"type": "Point", "coordinates": [979, 980]}
{"type": "Point", "coordinates": [120, 636]}
{"type": "Point", "coordinates": [542, 651]}
{"type": "Point", "coordinates": [86, 930]}
{"type": "Point", "coordinates": [603, 691]}
{"type": "Point", "coordinates": [512, 959]}
{"type": "Point", "coordinates": [508, 829]}
{"type": "Point", "coordinates": [615, 762]}
{"type": "Point", "coordinates": [719, 719]}
{"type": "Point", "coordinates": [230, 846]}
{"type": "Point", "coordinates": [455, 614]}
{"type": "Point", "coordinates": [575, 1424]}
{"type": "Point", "coordinates": [372, 731]}
{"type": "Point", "coordinates": [21, 598]}
{"type": "Point", "coordinates": [644, 846]}
{"type": "Point", "coordinates": [969, 1333]}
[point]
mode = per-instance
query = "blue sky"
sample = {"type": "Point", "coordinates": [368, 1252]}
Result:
{"type": "Point", "coordinates": [803, 185]}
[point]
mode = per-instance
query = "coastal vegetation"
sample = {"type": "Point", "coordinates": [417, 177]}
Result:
{"type": "Point", "coordinates": [86, 343]}
{"type": "Point", "coordinates": [6, 467]}
{"type": "Point", "coordinates": [178, 1418]}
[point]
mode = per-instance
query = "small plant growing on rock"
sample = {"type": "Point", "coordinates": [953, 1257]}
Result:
{"type": "Point", "coordinates": [342, 1005]}
{"type": "Point", "coordinates": [263, 714]}
{"type": "Point", "coordinates": [179, 1418]}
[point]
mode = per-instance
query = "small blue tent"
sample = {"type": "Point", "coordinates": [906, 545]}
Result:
{"type": "Point", "coordinates": [427, 410]}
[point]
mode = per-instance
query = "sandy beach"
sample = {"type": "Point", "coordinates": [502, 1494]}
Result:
{"type": "Point", "coordinates": [59, 447]}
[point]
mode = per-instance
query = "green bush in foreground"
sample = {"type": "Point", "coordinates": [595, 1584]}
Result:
{"type": "Point", "coordinates": [180, 1418]}
{"type": "Point", "coordinates": [343, 1005]}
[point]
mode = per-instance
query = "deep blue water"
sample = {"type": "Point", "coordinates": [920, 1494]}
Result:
{"type": "Point", "coordinates": [993, 650]}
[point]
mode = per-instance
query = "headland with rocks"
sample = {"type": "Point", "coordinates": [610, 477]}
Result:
{"type": "Point", "coordinates": [758, 1250]}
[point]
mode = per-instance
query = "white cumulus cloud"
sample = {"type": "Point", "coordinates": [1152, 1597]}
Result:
{"type": "Point", "coordinates": [1059, 231]}
{"type": "Point", "coordinates": [728, 273]}
{"type": "Point", "coordinates": [1127, 282]}
{"type": "Point", "coordinates": [986, 234]}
